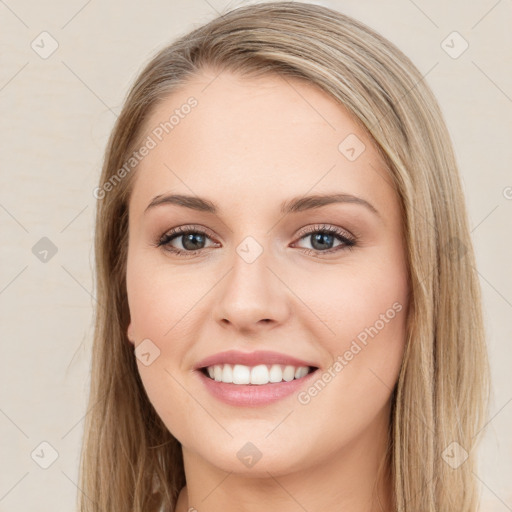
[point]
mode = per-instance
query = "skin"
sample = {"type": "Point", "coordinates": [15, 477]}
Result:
{"type": "Point", "coordinates": [247, 146]}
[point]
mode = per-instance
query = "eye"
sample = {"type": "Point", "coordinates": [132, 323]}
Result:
{"type": "Point", "coordinates": [193, 238]}
{"type": "Point", "coordinates": [322, 235]}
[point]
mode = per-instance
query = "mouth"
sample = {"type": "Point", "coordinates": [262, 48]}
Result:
{"type": "Point", "coordinates": [258, 375]}
{"type": "Point", "coordinates": [259, 378]}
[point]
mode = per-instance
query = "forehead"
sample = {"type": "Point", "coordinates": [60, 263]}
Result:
{"type": "Point", "coordinates": [238, 139]}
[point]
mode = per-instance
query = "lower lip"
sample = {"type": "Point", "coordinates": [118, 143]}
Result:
{"type": "Point", "coordinates": [249, 395]}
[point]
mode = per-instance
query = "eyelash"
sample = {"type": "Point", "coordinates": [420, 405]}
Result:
{"type": "Point", "coordinates": [348, 242]}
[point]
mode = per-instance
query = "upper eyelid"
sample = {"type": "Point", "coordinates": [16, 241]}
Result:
{"type": "Point", "coordinates": [183, 230]}
{"type": "Point", "coordinates": [325, 227]}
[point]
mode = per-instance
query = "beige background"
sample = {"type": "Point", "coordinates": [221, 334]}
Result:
{"type": "Point", "coordinates": [56, 114]}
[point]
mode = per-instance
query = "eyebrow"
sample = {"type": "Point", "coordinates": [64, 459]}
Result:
{"type": "Point", "coordinates": [296, 204]}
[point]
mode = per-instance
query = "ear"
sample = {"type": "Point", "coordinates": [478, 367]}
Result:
{"type": "Point", "coordinates": [129, 334]}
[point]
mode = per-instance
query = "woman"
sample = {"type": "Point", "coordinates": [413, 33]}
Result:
{"type": "Point", "coordinates": [235, 367]}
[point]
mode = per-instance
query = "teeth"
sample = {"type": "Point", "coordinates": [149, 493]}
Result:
{"type": "Point", "coordinates": [289, 373]}
{"type": "Point", "coordinates": [227, 373]}
{"type": "Point", "coordinates": [301, 371]}
{"type": "Point", "coordinates": [275, 373]}
{"type": "Point", "coordinates": [258, 375]}
{"type": "Point", "coordinates": [241, 374]}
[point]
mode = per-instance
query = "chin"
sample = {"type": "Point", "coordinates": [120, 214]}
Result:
{"type": "Point", "coordinates": [255, 458]}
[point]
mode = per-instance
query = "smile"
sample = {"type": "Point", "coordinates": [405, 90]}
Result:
{"type": "Point", "coordinates": [247, 379]}
{"type": "Point", "coordinates": [256, 375]}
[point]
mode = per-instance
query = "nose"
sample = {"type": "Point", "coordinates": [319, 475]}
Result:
{"type": "Point", "coordinates": [252, 296]}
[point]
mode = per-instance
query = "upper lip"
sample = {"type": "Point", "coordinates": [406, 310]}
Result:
{"type": "Point", "coordinates": [251, 359]}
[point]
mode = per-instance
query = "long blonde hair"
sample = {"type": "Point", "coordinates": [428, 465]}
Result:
{"type": "Point", "coordinates": [441, 394]}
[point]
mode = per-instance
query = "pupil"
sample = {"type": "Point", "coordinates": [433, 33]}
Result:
{"type": "Point", "coordinates": [320, 240]}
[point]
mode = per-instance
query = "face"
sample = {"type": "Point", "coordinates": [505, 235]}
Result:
{"type": "Point", "coordinates": [259, 269]}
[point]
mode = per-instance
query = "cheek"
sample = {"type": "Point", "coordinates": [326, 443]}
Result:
{"type": "Point", "coordinates": [350, 301]}
{"type": "Point", "coordinates": [365, 308]}
{"type": "Point", "coordinates": [159, 300]}
{"type": "Point", "coordinates": [367, 313]}
{"type": "Point", "coordinates": [372, 327]}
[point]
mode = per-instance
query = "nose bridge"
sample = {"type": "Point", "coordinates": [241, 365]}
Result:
{"type": "Point", "coordinates": [251, 292]}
